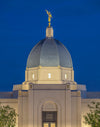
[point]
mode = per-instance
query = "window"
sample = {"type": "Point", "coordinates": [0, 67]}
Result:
{"type": "Point", "coordinates": [49, 75]}
{"type": "Point", "coordinates": [66, 76]}
{"type": "Point", "coordinates": [33, 76]}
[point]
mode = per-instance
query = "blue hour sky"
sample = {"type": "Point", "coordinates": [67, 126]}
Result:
{"type": "Point", "coordinates": [76, 24]}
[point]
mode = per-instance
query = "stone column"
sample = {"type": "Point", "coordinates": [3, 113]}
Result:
{"type": "Point", "coordinates": [25, 109]}
{"type": "Point", "coordinates": [68, 106]}
{"type": "Point", "coordinates": [30, 108]}
{"type": "Point", "coordinates": [20, 109]}
{"type": "Point", "coordinates": [78, 109]}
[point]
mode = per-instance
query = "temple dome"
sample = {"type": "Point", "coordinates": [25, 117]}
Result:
{"type": "Point", "coordinates": [49, 52]}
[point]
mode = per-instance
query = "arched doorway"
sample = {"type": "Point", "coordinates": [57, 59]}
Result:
{"type": "Point", "coordinates": [49, 114]}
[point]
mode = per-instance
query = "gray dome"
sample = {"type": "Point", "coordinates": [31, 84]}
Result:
{"type": "Point", "coordinates": [49, 53]}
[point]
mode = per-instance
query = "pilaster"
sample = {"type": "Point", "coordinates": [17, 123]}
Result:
{"type": "Point", "coordinates": [30, 107]}
{"type": "Point", "coordinates": [68, 106]}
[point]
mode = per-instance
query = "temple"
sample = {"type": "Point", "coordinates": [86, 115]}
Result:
{"type": "Point", "coordinates": [49, 96]}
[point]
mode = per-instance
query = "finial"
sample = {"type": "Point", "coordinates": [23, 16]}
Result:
{"type": "Point", "coordinates": [49, 17]}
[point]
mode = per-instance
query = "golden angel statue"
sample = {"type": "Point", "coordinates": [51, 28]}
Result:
{"type": "Point", "coordinates": [49, 17]}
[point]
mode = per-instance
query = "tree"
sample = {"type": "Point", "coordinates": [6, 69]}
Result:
{"type": "Point", "coordinates": [7, 116]}
{"type": "Point", "coordinates": [93, 116]}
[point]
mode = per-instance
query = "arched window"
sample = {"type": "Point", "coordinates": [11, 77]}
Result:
{"type": "Point", "coordinates": [49, 75]}
{"type": "Point", "coordinates": [66, 76]}
{"type": "Point", "coordinates": [33, 76]}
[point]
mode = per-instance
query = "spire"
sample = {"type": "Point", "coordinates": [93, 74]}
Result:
{"type": "Point", "coordinates": [49, 29]}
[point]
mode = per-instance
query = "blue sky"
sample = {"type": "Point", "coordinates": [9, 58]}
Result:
{"type": "Point", "coordinates": [76, 24]}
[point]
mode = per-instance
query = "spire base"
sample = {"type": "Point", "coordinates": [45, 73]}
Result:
{"type": "Point", "coordinates": [49, 32]}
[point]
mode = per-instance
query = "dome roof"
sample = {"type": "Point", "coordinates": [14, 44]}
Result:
{"type": "Point", "coordinates": [49, 52]}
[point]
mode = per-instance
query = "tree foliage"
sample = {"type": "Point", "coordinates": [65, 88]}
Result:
{"type": "Point", "coordinates": [93, 116]}
{"type": "Point", "coordinates": [7, 116]}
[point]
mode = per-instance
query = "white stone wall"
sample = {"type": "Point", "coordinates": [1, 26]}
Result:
{"type": "Point", "coordinates": [23, 109]}
{"type": "Point", "coordinates": [76, 109]}
{"type": "Point", "coordinates": [41, 75]}
{"type": "Point", "coordinates": [68, 107]}
{"type": "Point", "coordinates": [39, 98]}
